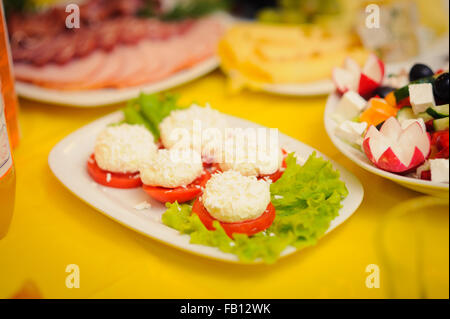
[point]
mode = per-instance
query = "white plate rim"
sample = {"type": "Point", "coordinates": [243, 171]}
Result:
{"type": "Point", "coordinates": [349, 151]}
{"type": "Point", "coordinates": [60, 169]}
{"type": "Point", "coordinates": [109, 96]}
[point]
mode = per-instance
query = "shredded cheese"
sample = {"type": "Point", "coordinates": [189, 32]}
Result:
{"type": "Point", "coordinates": [232, 197]}
{"type": "Point", "coordinates": [200, 128]}
{"type": "Point", "coordinates": [249, 158]}
{"type": "Point", "coordinates": [172, 168]}
{"type": "Point", "coordinates": [122, 148]}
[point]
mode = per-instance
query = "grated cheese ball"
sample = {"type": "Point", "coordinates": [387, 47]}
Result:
{"type": "Point", "coordinates": [249, 159]}
{"type": "Point", "coordinates": [172, 168]}
{"type": "Point", "coordinates": [232, 197]}
{"type": "Point", "coordinates": [122, 148]}
{"type": "Point", "coordinates": [203, 129]}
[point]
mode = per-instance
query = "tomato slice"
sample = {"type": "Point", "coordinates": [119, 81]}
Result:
{"type": "Point", "coordinates": [439, 145]}
{"type": "Point", "coordinates": [214, 168]}
{"type": "Point", "coordinates": [179, 194]}
{"type": "Point", "coordinates": [426, 175]}
{"type": "Point", "coordinates": [248, 227]}
{"type": "Point", "coordinates": [405, 102]}
{"type": "Point", "coordinates": [276, 176]}
{"type": "Point", "coordinates": [111, 179]}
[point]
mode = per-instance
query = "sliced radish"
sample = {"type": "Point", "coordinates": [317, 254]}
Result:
{"type": "Point", "coordinates": [344, 80]}
{"type": "Point", "coordinates": [364, 81]}
{"type": "Point", "coordinates": [366, 85]}
{"type": "Point", "coordinates": [352, 66]}
{"type": "Point", "coordinates": [374, 68]}
{"type": "Point", "coordinates": [371, 76]}
{"type": "Point", "coordinates": [391, 129]}
{"type": "Point", "coordinates": [395, 149]}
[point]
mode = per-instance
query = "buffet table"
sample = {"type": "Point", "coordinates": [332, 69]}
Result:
{"type": "Point", "coordinates": [52, 228]}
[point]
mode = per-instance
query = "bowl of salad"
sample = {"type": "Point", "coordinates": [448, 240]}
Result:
{"type": "Point", "coordinates": [396, 125]}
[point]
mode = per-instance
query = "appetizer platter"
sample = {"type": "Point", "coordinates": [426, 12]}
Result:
{"type": "Point", "coordinates": [395, 126]}
{"type": "Point", "coordinates": [128, 166]}
{"type": "Point", "coordinates": [114, 54]}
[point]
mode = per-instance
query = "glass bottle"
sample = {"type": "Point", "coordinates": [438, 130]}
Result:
{"type": "Point", "coordinates": [8, 91]}
{"type": "Point", "coordinates": [7, 175]}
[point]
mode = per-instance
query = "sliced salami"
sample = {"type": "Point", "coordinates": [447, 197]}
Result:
{"type": "Point", "coordinates": [166, 49]}
{"type": "Point", "coordinates": [150, 55]}
{"type": "Point", "coordinates": [61, 76]}
{"type": "Point", "coordinates": [129, 68]}
{"type": "Point", "coordinates": [111, 68]}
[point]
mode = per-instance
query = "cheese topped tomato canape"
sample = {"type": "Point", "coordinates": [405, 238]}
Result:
{"type": "Point", "coordinates": [252, 159]}
{"type": "Point", "coordinates": [196, 127]}
{"type": "Point", "coordinates": [119, 151]}
{"type": "Point", "coordinates": [174, 175]}
{"type": "Point", "coordinates": [241, 204]}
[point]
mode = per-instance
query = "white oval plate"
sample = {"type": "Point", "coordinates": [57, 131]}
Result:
{"type": "Point", "coordinates": [68, 160]}
{"type": "Point", "coordinates": [360, 158]}
{"type": "Point", "coordinates": [102, 97]}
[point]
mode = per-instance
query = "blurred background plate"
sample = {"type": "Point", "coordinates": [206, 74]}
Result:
{"type": "Point", "coordinates": [307, 89]}
{"type": "Point", "coordinates": [102, 97]}
{"type": "Point", "coordinates": [359, 158]}
{"type": "Point", "coordinates": [436, 55]}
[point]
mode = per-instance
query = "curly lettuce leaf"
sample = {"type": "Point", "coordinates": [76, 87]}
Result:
{"type": "Point", "coordinates": [262, 245]}
{"type": "Point", "coordinates": [307, 198]}
{"type": "Point", "coordinates": [149, 110]}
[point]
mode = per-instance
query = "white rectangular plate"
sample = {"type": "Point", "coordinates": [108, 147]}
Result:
{"type": "Point", "coordinates": [68, 161]}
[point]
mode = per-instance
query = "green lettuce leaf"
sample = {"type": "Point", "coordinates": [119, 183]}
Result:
{"type": "Point", "coordinates": [306, 198]}
{"type": "Point", "coordinates": [149, 110]}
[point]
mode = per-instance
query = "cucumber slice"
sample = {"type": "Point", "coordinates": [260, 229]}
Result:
{"type": "Point", "coordinates": [403, 92]}
{"type": "Point", "coordinates": [405, 113]}
{"type": "Point", "coordinates": [425, 116]}
{"type": "Point", "coordinates": [438, 111]}
{"type": "Point", "coordinates": [441, 124]}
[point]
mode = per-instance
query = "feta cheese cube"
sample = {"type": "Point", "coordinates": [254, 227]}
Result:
{"type": "Point", "coordinates": [405, 123]}
{"type": "Point", "coordinates": [439, 170]}
{"type": "Point", "coordinates": [421, 97]}
{"type": "Point", "coordinates": [351, 132]}
{"type": "Point", "coordinates": [350, 106]}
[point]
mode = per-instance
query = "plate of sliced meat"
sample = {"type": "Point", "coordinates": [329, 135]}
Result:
{"type": "Point", "coordinates": [110, 60]}
{"type": "Point", "coordinates": [107, 96]}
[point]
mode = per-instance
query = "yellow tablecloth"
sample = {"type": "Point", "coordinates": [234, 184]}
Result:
{"type": "Point", "coordinates": [52, 228]}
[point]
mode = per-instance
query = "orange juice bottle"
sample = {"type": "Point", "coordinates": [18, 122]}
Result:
{"type": "Point", "coordinates": [6, 76]}
{"type": "Point", "coordinates": [7, 176]}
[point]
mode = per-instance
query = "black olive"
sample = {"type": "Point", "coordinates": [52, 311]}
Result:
{"type": "Point", "coordinates": [379, 126]}
{"type": "Point", "coordinates": [419, 71]}
{"type": "Point", "coordinates": [382, 91]}
{"type": "Point", "coordinates": [441, 88]}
